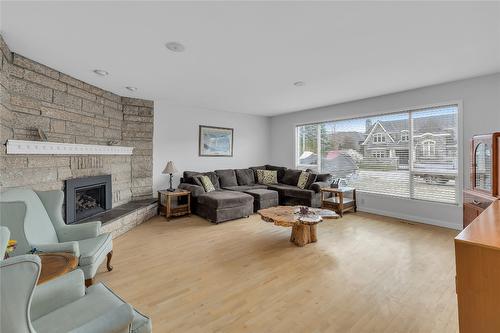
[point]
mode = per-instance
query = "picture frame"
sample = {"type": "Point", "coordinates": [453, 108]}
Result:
{"type": "Point", "coordinates": [215, 141]}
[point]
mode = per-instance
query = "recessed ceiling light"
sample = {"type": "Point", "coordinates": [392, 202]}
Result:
{"type": "Point", "coordinates": [131, 88]}
{"type": "Point", "coordinates": [101, 72]}
{"type": "Point", "coordinates": [299, 83]}
{"type": "Point", "coordinates": [175, 46]}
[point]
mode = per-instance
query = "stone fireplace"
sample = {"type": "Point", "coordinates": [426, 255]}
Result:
{"type": "Point", "coordinates": [86, 197]}
{"type": "Point", "coordinates": [56, 129]}
{"type": "Point", "coordinates": [38, 99]}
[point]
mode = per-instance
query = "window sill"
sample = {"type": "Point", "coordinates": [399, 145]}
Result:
{"type": "Point", "coordinates": [388, 196]}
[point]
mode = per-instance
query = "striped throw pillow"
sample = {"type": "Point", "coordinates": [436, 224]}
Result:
{"type": "Point", "coordinates": [267, 177]}
{"type": "Point", "coordinates": [207, 184]}
{"type": "Point", "coordinates": [303, 178]}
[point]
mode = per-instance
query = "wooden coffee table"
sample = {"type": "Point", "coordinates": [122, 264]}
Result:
{"type": "Point", "coordinates": [303, 227]}
{"type": "Point", "coordinates": [56, 264]}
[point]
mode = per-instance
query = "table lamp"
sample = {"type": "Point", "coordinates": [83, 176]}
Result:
{"type": "Point", "coordinates": [170, 169]}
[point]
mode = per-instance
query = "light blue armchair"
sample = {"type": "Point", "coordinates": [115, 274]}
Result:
{"type": "Point", "coordinates": [4, 240]}
{"type": "Point", "coordinates": [60, 305]}
{"type": "Point", "coordinates": [35, 221]}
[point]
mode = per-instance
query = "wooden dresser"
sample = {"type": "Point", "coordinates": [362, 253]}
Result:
{"type": "Point", "coordinates": [477, 247]}
{"type": "Point", "coordinates": [477, 254]}
{"type": "Point", "coordinates": [474, 204]}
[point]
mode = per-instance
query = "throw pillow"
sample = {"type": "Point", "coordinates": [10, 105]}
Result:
{"type": "Point", "coordinates": [189, 177]}
{"type": "Point", "coordinates": [213, 178]}
{"type": "Point", "coordinates": [303, 178]}
{"type": "Point", "coordinates": [196, 180]}
{"type": "Point", "coordinates": [291, 177]}
{"type": "Point", "coordinates": [207, 184]}
{"type": "Point", "coordinates": [324, 177]}
{"type": "Point", "coordinates": [267, 177]}
{"type": "Point", "coordinates": [227, 177]}
{"type": "Point", "coordinates": [245, 176]}
{"type": "Point", "coordinates": [280, 171]}
{"type": "Point", "coordinates": [311, 179]}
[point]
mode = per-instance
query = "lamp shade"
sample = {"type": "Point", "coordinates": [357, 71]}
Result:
{"type": "Point", "coordinates": [170, 168]}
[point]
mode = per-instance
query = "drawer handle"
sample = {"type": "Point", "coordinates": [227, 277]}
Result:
{"type": "Point", "coordinates": [476, 202]}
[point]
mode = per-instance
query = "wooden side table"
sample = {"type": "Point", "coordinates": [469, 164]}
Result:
{"type": "Point", "coordinates": [172, 205]}
{"type": "Point", "coordinates": [56, 264]}
{"type": "Point", "coordinates": [338, 201]}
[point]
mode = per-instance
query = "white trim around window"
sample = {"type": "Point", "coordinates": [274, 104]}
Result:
{"type": "Point", "coordinates": [459, 141]}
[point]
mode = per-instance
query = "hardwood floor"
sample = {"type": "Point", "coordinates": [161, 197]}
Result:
{"type": "Point", "coordinates": [365, 274]}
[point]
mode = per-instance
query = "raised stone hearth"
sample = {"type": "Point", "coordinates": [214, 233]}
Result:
{"type": "Point", "coordinates": [121, 219]}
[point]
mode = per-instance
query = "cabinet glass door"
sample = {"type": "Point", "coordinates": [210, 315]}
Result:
{"type": "Point", "coordinates": [482, 156]}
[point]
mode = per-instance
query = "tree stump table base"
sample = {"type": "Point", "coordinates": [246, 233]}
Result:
{"type": "Point", "coordinates": [303, 234]}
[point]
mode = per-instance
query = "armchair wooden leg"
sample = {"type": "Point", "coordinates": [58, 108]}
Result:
{"type": "Point", "coordinates": [89, 282]}
{"type": "Point", "coordinates": [108, 264]}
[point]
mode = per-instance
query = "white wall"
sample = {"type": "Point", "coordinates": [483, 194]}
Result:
{"type": "Point", "coordinates": [481, 114]}
{"type": "Point", "coordinates": [176, 139]}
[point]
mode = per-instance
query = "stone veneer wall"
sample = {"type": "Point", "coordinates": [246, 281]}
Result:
{"type": "Point", "coordinates": [35, 96]}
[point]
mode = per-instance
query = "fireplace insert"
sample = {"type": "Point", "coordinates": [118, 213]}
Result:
{"type": "Point", "coordinates": [85, 197]}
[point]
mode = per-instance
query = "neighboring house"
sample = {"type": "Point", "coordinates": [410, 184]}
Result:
{"type": "Point", "coordinates": [434, 142]}
{"type": "Point", "coordinates": [308, 158]}
{"type": "Point", "coordinates": [339, 163]}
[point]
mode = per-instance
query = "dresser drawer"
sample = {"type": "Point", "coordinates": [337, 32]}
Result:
{"type": "Point", "coordinates": [471, 212]}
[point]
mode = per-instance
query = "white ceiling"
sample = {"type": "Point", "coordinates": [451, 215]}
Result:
{"type": "Point", "coordinates": [244, 57]}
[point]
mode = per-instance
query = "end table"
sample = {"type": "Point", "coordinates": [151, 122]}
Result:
{"type": "Point", "coordinates": [339, 202]}
{"type": "Point", "coordinates": [55, 264]}
{"type": "Point", "coordinates": [176, 203]}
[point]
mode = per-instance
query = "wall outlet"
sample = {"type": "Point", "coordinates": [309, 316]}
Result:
{"type": "Point", "coordinates": [362, 201]}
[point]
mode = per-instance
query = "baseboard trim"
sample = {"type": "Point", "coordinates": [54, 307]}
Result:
{"type": "Point", "coordinates": [418, 219]}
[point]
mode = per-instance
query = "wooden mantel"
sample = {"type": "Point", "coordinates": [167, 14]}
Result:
{"type": "Point", "coordinates": [59, 148]}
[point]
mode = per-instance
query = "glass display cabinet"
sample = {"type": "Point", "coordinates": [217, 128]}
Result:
{"type": "Point", "coordinates": [484, 176]}
{"type": "Point", "coordinates": [485, 163]}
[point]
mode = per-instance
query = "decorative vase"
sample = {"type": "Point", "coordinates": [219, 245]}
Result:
{"type": "Point", "coordinates": [304, 211]}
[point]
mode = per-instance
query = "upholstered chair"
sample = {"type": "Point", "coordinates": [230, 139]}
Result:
{"type": "Point", "coordinates": [60, 305]}
{"type": "Point", "coordinates": [35, 221]}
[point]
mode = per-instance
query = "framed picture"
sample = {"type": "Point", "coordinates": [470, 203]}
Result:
{"type": "Point", "coordinates": [215, 141]}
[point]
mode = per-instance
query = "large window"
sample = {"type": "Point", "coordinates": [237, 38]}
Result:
{"type": "Point", "coordinates": [411, 154]}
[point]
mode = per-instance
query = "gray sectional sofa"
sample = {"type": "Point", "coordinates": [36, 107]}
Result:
{"type": "Point", "coordinates": [237, 193]}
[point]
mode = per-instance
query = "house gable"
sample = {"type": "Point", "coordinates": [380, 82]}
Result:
{"type": "Point", "coordinates": [372, 131]}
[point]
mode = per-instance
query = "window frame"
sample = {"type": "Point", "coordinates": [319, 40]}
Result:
{"type": "Point", "coordinates": [378, 138]}
{"type": "Point", "coordinates": [318, 150]}
{"type": "Point", "coordinates": [459, 178]}
{"type": "Point", "coordinates": [428, 148]}
{"type": "Point", "coordinates": [378, 154]}
{"type": "Point", "coordinates": [405, 136]}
